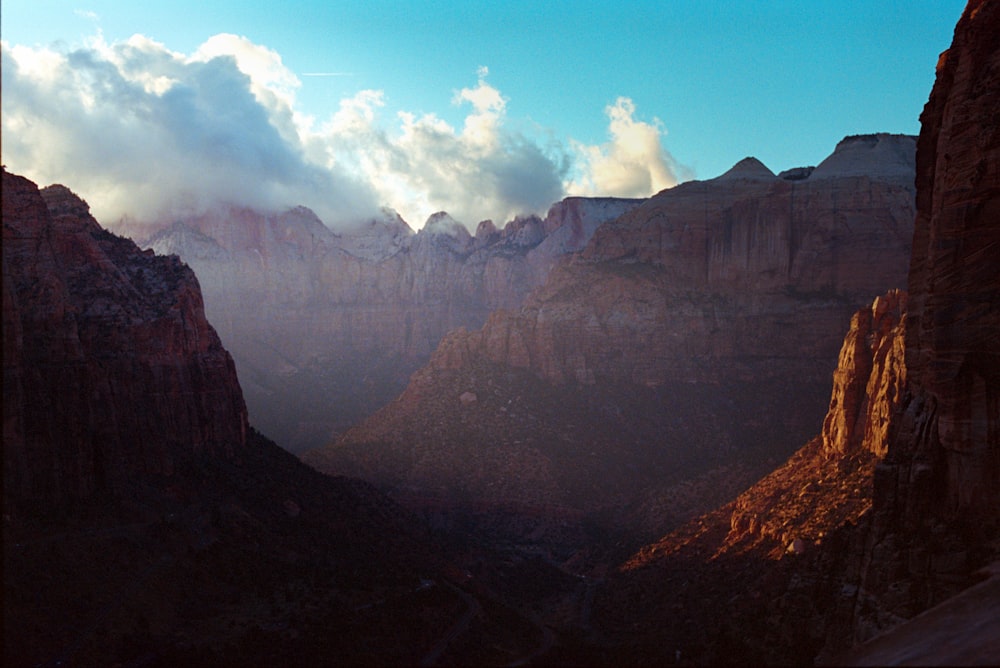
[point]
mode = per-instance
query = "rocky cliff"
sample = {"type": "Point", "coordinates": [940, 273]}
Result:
{"type": "Point", "coordinates": [747, 274]}
{"type": "Point", "coordinates": [326, 327]}
{"type": "Point", "coordinates": [893, 509]}
{"type": "Point", "coordinates": [145, 524]}
{"type": "Point", "coordinates": [684, 350]}
{"type": "Point", "coordinates": [937, 494]}
{"type": "Point", "coordinates": [111, 371]}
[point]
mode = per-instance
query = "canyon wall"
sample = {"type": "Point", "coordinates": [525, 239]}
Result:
{"type": "Point", "coordinates": [892, 510]}
{"type": "Point", "coordinates": [326, 327]}
{"type": "Point", "coordinates": [681, 354]}
{"type": "Point", "coordinates": [937, 492]}
{"type": "Point", "coordinates": [111, 371]}
{"type": "Point", "coordinates": [746, 275]}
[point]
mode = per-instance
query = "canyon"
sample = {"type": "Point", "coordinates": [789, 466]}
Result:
{"type": "Point", "coordinates": [608, 437]}
{"type": "Point", "coordinates": [146, 523]}
{"type": "Point", "coordinates": [326, 326]}
{"type": "Point", "coordinates": [680, 355]}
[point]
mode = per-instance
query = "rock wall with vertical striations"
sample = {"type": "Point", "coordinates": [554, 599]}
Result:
{"type": "Point", "coordinates": [111, 371]}
{"type": "Point", "coordinates": [936, 510]}
{"type": "Point", "coordinates": [952, 342]}
{"type": "Point", "coordinates": [869, 381]}
{"type": "Point", "coordinates": [747, 275]}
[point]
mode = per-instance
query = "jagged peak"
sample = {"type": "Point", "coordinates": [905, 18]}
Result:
{"type": "Point", "coordinates": [485, 230]}
{"type": "Point", "coordinates": [747, 168]}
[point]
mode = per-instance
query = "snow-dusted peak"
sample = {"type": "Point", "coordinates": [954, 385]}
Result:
{"type": "Point", "coordinates": [524, 231]}
{"type": "Point", "coordinates": [187, 242]}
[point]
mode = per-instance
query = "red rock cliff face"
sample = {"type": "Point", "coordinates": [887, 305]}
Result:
{"type": "Point", "coordinates": [937, 493]}
{"type": "Point", "coordinates": [894, 509]}
{"type": "Point", "coordinates": [111, 370]}
{"type": "Point", "coordinates": [869, 382]}
{"type": "Point", "coordinates": [953, 339]}
{"type": "Point", "coordinates": [748, 275]}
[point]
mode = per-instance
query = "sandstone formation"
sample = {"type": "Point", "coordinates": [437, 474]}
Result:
{"type": "Point", "coordinates": [777, 556]}
{"type": "Point", "coordinates": [869, 381]}
{"type": "Point", "coordinates": [690, 340]}
{"type": "Point", "coordinates": [111, 371]}
{"type": "Point", "coordinates": [326, 326]}
{"type": "Point", "coordinates": [893, 509]}
{"type": "Point", "coordinates": [751, 269]}
{"type": "Point", "coordinates": [937, 495]}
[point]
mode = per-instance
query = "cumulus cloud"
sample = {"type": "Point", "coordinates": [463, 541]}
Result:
{"type": "Point", "coordinates": [633, 164]}
{"type": "Point", "coordinates": [481, 170]}
{"type": "Point", "coordinates": [140, 130]}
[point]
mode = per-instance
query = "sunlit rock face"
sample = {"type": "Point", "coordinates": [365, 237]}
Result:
{"type": "Point", "coordinates": [870, 379]}
{"type": "Point", "coordinates": [935, 515]}
{"type": "Point", "coordinates": [952, 342]}
{"type": "Point", "coordinates": [111, 371]}
{"type": "Point", "coordinates": [326, 326]}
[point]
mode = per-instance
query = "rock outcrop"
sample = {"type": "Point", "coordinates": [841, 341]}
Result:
{"type": "Point", "coordinates": [783, 559]}
{"type": "Point", "coordinates": [326, 327]}
{"type": "Point", "coordinates": [111, 371]}
{"type": "Point", "coordinates": [869, 381]}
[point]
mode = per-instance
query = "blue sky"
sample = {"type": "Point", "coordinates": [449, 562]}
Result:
{"type": "Point", "coordinates": [478, 108]}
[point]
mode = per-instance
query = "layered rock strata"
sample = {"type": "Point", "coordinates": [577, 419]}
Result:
{"type": "Point", "coordinates": [326, 327]}
{"type": "Point", "coordinates": [111, 371]}
{"type": "Point", "coordinates": [916, 443]}
{"type": "Point", "coordinates": [746, 274]}
{"type": "Point", "coordinates": [937, 494]}
{"type": "Point", "coordinates": [693, 336]}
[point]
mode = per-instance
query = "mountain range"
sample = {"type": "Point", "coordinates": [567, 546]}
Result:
{"type": "Point", "coordinates": [325, 326]}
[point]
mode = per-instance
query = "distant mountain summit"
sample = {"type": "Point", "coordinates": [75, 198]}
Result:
{"type": "Point", "coordinates": [883, 155]}
{"type": "Point", "coordinates": [747, 168]}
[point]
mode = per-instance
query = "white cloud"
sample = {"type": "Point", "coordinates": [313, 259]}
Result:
{"type": "Point", "coordinates": [633, 164]}
{"type": "Point", "coordinates": [138, 129]}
